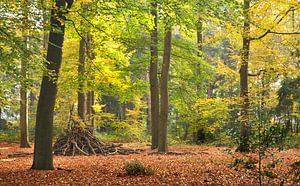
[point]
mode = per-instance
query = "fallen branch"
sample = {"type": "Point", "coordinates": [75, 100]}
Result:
{"type": "Point", "coordinates": [80, 141]}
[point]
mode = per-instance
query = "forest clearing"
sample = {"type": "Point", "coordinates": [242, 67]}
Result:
{"type": "Point", "coordinates": [150, 92]}
{"type": "Point", "coordinates": [185, 165]}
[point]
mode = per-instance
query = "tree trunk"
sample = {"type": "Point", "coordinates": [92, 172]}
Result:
{"type": "Point", "coordinates": [154, 90]}
{"type": "Point", "coordinates": [90, 94]}
{"type": "Point", "coordinates": [43, 158]}
{"type": "Point", "coordinates": [199, 53]}
{"type": "Point", "coordinates": [90, 101]}
{"type": "Point", "coordinates": [244, 141]}
{"type": "Point", "coordinates": [24, 143]}
{"type": "Point", "coordinates": [210, 90]}
{"type": "Point", "coordinates": [88, 104]}
{"type": "Point", "coordinates": [200, 37]}
{"type": "Point", "coordinates": [164, 103]}
{"type": "Point", "coordinates": [81, 96]}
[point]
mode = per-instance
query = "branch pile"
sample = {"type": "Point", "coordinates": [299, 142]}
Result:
{"type": "Point", "coordinates": [80, 141]}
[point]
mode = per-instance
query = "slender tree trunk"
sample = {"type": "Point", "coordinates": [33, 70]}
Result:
{"type": "Point", "coordinates": [149, 125]}
{"type": "Point", "coordinates": [70, 115]}
{"type": "Point", "coordinates": [92, 110]}
{"type": "Point", "coordinates": [164, 102]}
{"type": "Point", "coordinates": [297, 125]}
{"type": "Point", "coordinates": [24, 143]}
{"type": "Point", "coordinates": [90, 94]}
{"type": "Point", "coordinates": [200, 50]}
{"type": "Point", "coordinates": [81, 95]}
{"type": "Point", "coordinates": [244, 141]}
{"type": "Point", "coordinates": [90, 101]}
{"type": "Point", "coordinates": [89, 105]}
{"type": "Point", "coordinates": [200, 37]}
{"type": "Point", "coordinates": [186, 131]}
{"type": "Point", "coordinates": [154, 90]}
{"type": "Point", "coordinates": [43, 157]}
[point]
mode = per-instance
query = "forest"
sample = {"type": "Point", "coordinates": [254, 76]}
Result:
{"type": "Point", "coordinates": [149, 92]}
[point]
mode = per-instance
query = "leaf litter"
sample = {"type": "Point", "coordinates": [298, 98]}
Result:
{"type": "Point", "coordinates": [184, 165]}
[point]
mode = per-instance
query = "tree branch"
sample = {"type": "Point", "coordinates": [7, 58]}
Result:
{"type": "Point", "coordinates": [277, 22]}
{"type": "Point", "coordinates": [284, 33]}
{"type": "Point", "coordinates": [258, 73]}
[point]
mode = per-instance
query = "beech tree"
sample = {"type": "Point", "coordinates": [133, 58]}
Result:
{"type": "Point", "coordinates": [43, 158]}
{"type": "Point", "coordinates": [81, 79]}
{"type": "Point", "coordinates": [164, 98]}
{"type": "Point", "coordinates": [244, 145]}
{"type": "Point", "coordinates": [24, 143]}
{"type": "Point", "coordinates": [154, 89]}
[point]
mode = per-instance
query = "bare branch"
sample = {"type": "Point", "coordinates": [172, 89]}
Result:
{"type": "Point", "coordinates": [258, 73]}
{"type": "Point", "coordinates": [284, 33]}
{"type": "Point", "coordinates": [277, 22]}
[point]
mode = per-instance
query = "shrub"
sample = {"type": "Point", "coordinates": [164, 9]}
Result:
{"type": "Point", "coordinates": [135, 167]}
{"type": "Point", "coordinates": [244, 162]}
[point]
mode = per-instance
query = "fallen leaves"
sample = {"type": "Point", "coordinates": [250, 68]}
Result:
{"type": "Point", "coordinates": [177, 168]}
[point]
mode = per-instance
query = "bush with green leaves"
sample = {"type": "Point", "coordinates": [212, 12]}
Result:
{"type": "Point", "coordinates": [209, 116]}
{"type": "Point", "coordinates": [135, 167]}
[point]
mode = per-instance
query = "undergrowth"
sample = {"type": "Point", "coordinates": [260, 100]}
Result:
{"type": "Point", "coordinates": [135, 167]}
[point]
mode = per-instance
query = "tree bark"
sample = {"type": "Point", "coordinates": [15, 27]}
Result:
{"type": "Point", "coordinates": [24, 143]}
{"type": "Point", "coordinates": [200, 49]}
{"type": "Point", "coordinates": [90, 101]}
{"type": "Point", "coordinates": [244, 141]}
{"type": "Point", "coordinates": [89, 104]}
{"type": "Point", "coordinates": [200, 36]}
{"type": "Point", "coordinates": [81, 107]}
{"type": "Point", "coordinates": [90, 94]}
{"type": "Point", "coordinates": [43, 158]}
{"type": "Point", "coordinates": [154, 89]}
{"type": "Point", "coordinates": [164, 102]}
{"type": "Point", "coordinates": [24, 139]}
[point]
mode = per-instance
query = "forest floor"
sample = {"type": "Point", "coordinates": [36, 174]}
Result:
{"type": "Point", "coordinates": [186, 165]}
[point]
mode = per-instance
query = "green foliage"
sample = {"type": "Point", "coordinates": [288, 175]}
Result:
{"type": "Point", "coordinates": [292, 141]}
{"type": "Point", "coordinates": [289, 97]}
{"type": "Point", "coordinates": [128, 132]}
{"type": "Point", "coordinates": [135, 167]}
{"type": "Point", "coordinates": [244, 162]}
{"type": "Point", "coordinates": [118, 68]}
{"type": "Point", "coordinates": [10, 135]}
{"type": "Point", "coordinates": [209, 115]}
{"type": "Point", "coordinates": [114, 129]}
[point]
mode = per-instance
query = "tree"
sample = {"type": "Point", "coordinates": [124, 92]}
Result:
{"type": "Point", "coordinates": [244, 141]}
{"type": "Point", "coordinates": [90, 95]}
{"type": "Point", "coordinates": [154, 89]}
{"type": "Point", "coordinates": [199, 28]}
{"type": "Point", "coordinates": [244, 71]}
{"type": "Point", "coordinates": [81, 95]}
{"type": "Point", "coordinates": [164, 102]}
{"type": "Point", "coordinates": [43, 158]}
{"type": "Point", "coordinates": [24, 143]}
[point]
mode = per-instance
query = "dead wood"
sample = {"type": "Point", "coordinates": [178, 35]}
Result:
{"type": "Point", "coordinates": [19, 154]}
{"type": "Point", "coordinates": [80, 141]}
